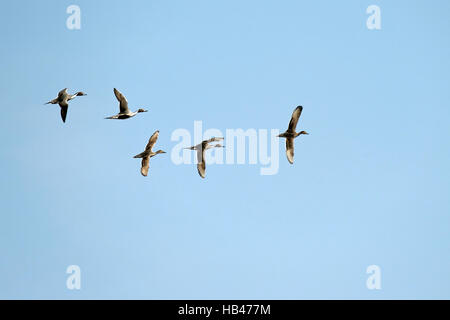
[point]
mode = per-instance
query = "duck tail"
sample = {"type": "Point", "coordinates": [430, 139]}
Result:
{"type": "Point", "coordinates": [54, 101]}
{"type": "Point", "coordinates": [140, 155]}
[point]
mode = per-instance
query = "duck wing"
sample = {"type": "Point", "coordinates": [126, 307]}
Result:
{"type": "Point", "coordinates": [201, 166]}
{"type": "Point", "coordinates": [294, 119]}
{"type": "Point", "coordinates": [152, 141]}
{"type": "Point", "coordinates": [213, 139]}
{"type": "Point", "coordinates": [123, 103]}
{"type": "Point", "coordinates": [290, 150]}
{"type": "Point", "coordinates": [145, 165]}
{"type": "Point", "coordinates": [62, 93]}
{"type": "Point", "coordinates": [64, 107]}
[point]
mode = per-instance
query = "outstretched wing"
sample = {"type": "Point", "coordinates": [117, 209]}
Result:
{"type": "Point", "coordinates": [201, 166]}
{"type": "Point", "coordinates": [294, 119]}
{"type": "Point", "coordinates": [290, 150]}
{"type": "Point", "coordinates": [145, 164]}
{"type": "Point", "coordinates": [64, 107]}
{"type": "Point", "coordinates": [62, 92]}
{"type": "Point", "coordinates": [213, 139]}
{"type": "Point", "coordinates": [122, 101]}
{"type": "Point", "coordinates": [152, 141]}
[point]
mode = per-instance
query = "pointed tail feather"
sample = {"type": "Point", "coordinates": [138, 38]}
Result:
{"type": "Point", "coordinates": [140, 155]}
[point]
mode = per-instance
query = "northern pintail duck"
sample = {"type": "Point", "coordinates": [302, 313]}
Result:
{"type": "Point", "coordinates": [63, 99]}
{"type": "Point", "coordinates": [148, 153]}
{"type": "Point", "coordinates": [201, 148]}
{"type": "Point", "coordinates": [124, 113]}
{"type": "Point", "coordinates": [290, 134]}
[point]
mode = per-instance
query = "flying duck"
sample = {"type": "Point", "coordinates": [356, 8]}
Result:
{"type": "Point", "coordinates": [200, 148]}
{"type": "Point", "coordinates": [148, 153]}
{"type": "Point", "coordinates": [290, 134]}
{"type": "Point", "coordinates": [124, 113]}
{"type": "Point", "coordinates": [63, 99]}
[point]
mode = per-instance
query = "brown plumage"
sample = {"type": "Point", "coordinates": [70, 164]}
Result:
{"type": "Point", "coordinates": [290, 134]}
{"type": "Point", "coordinates": [148, 153]}
{"type": "Point", "coordinates": [201, 148]}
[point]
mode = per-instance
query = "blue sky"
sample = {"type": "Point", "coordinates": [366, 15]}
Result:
{"type": "Point", "coordinates": [370, 184]}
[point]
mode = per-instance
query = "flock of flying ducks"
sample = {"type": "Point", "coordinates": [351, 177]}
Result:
{"type": "Point", "coordinates": [64, 97]}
